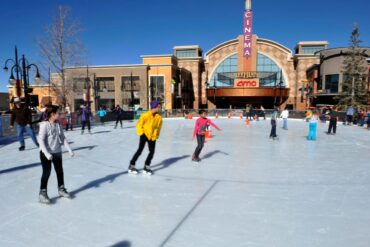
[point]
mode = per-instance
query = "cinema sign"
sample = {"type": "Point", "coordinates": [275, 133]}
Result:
{"type": "Point", "coordinates": [240, 83]}
{"type": "Point", "coordinates": [246, 79]}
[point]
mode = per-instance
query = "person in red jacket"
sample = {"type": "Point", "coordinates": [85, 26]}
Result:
{"type": "Point", "coordinates": [200, 128]}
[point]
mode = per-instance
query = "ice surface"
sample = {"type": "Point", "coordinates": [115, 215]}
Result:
{"type": "Point", "coordinates": [248, 190]}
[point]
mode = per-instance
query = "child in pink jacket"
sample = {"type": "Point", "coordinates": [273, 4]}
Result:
{"type": "Point", "coordinates": [200, 128]}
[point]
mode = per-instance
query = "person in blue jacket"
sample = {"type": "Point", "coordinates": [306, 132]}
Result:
{"type": "Point", "coordinates": [102, 113]}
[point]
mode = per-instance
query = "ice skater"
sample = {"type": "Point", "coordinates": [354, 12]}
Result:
{"type": "Point", "coordinates": [119, 114]}
{"type": "Point", "coordinates": [312, 119]}
{"type": "Point", "coordinates": [284, 115]}
{"type": "Point", "coordinates": [51, 139]}
{"type": "Point", "coordinates": [148, 128]}
{"type": "Point", "coordinates": [22, 115]}
{"type": "Point", "coordinates": [274, 117]}
{"type": "Point", "coordinates": [69, 123]}
{"type": "Point", "coordinates": [102, 113]}
{"type": "Point", "coordinates": [333, 120]}
{"type": "Point", "coordinates": [200, 128]}
{"type": "Point", "coordinates": [85, 119]}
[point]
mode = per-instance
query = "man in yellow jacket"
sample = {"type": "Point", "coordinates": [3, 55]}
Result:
{"type": "Point", "coordinates": [148, 128]}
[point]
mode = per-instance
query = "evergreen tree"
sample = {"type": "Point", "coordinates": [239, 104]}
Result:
{"type": "Point", "coordinates": [354, 86]}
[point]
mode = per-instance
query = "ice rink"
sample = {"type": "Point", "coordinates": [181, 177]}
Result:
{"type": "Point", "coordinates": [247, 191]}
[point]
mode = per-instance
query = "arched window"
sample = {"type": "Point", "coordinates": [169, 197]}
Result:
{"type": "Point", "coordinates": [230, 64]}
{"type": "Point", "coordinates": [265, 64]}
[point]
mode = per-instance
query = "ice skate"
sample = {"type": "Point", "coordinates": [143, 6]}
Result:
{"type": "Point", "coordinates": [63, 192]}
{"type": "Point", "coordinates": [132, 170]}
{"type": "Point", "coordinates": [147, 171]}
{"type": "Point", "coordinates": [43, 197]}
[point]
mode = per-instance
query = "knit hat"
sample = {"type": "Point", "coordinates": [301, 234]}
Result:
{"type": "Point", "coordinates": [17, 100]}
{"type": "Point", "coordinates": [154, 104]}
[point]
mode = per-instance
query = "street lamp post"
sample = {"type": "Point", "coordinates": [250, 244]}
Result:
{"type": "Point", "coordinates": [214, 92]}
{"type": "Point", "coordinates": [132, 90]}
{"type": "Point", "coordinates": [21, 68]}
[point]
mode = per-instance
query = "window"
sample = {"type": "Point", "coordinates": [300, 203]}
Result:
{"type": "Point", "coordinates": [79, 84]}
{"type": "Point", "coordinates": [157, 88]}
{"type": "Point", "coordinates": [186, 53]}
{"type": "Point", "coordinates": [311, 49]}
{"type": "Point", "coordinates": [105, 84]}
{"type": "Point", "coordinates": [265, 64]}
{"type": "Point", "coordinates": [229, 65]}
{"type": "Point", "coordinates": [331, 83]}
{"type": "Point", "coordinates": [130, 87]}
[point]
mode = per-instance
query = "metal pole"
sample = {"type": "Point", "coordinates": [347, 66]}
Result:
{"type": "Point", "coordinates": [95, 93]}
{"type": "Point", "coordinates": [88, 86]}
{"type": "Point", "coordinates": [49, 86]}
{"type": "Point", "coordinates": [214, 92]}
{"type": "Point", "coordinates": [353, 90]}
{"type": "Point", "coordinates": [17, 83]}
{"type": "Point", "coordinates": [132, 92]}
{"type": "Point", "coordinates": [25, 82]}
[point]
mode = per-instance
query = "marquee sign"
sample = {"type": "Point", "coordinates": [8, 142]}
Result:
{"type": "Point", "coordinates": [248, 33]}
{"type": "Point", "coordinates": [241, 83]}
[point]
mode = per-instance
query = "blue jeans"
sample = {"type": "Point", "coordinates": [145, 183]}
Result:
{"type": "Point", "coordinates": [20, 132]}
{"type": "Point", "coordinates": [312, 131]}
{"type": "Point", "coordinates": [285, 123]}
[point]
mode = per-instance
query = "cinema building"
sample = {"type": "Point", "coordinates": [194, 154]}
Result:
{"type": "Point", "coordinates": [245, 70]}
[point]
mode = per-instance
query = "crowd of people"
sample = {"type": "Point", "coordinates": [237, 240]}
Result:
{"type": "Point", "coordinates": [51, 136]}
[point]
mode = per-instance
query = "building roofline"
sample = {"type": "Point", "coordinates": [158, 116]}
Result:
{"type": "Point", "coordinates": [160, 55]}
{"type": "Point", "coordinates": [275, 43]}
{"type": "Point", "coordinates": [189, 58]}
{"type": "Point", "coordinates": [107, 66]}
{"type": "Point", "coordinates": [187, 47]}
{"type": "Point", "coordinates": [323, 42]}
{"type": "Point", "coordinates": [342, 48]}
{"type": "Point", "coordinates": [220, 45]}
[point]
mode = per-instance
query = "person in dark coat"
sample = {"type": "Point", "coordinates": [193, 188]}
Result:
{"type": "Point", "coordinates": [119, 115]}
{"type": "Point", "coordinates": [22, 115]}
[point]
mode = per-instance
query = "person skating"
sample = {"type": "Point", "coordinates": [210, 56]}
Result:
{"type": "Point", "coordinates": [42, 114]}
{"type": "Point", "coordinates": [333, 121]}
{"type": "Point", "coordinates": [349, 114]}
{"type": "Point", "coordinates": [263, 113]}
{"type": "Point", "coordinates": [85, 118]}
{"type": "Point", "coordinates": [22, 115]}
{"type": "Point", "coordinates": [102, 113]}
{"type": "Point", "coordinates": [284, 115]}
{"type": "Point", "coordinates": [368, 121]}
{"type": "Point", "coordinates": [312, 119]}
{"type": "Point", "coordinates": [200, 128]}
{"type": "Point", "coordinates": [274, 117]}
{"type": "Point", "coordinates": [51, 139]}
{"type": "Point", "coordinates": [69, 123]}
{"type": "Point", "coordinates": [148, 128]}
{"type": "Point", "coordinates": [119, 114]}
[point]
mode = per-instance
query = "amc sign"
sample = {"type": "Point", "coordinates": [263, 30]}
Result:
{"type": "Point", "coordinates": [246, 83]}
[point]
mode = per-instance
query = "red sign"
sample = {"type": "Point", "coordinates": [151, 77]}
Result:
{"type": "Point", "coordinates": [246, 83]}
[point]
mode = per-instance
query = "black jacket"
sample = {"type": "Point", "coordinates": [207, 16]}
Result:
{"type": "Point", "coordinates": [22, 115]}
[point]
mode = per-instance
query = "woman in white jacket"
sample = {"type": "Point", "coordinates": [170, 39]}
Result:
{"type": "Point", "coordinates": [51, 139]}
{"type": "Point", "coordinates": [284, 115]}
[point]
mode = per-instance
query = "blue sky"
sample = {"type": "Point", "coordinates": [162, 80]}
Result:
{"type": "Point", "coordinates": [119, 31]}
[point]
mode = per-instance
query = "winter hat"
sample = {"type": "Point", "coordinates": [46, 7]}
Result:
{"type": "Point", "coordinates": [17, 100]}
{"type": "Point", "coordinates": [154, 104]}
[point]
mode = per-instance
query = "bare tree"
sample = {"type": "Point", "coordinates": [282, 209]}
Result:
{"type": "Point", "coordinates": [61, 48]}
